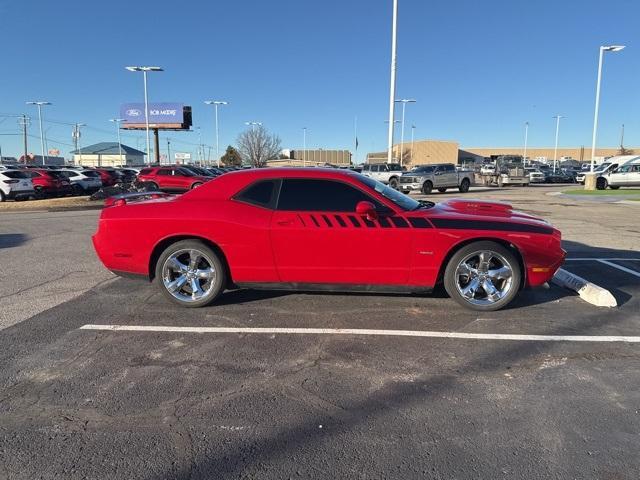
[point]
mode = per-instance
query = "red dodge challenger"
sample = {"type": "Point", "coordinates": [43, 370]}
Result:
{"type": "Point", "coordinates": [324, 229]}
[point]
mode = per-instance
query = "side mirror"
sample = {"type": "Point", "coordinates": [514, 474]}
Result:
{"type": "Point", "coordinates": [368, 209]}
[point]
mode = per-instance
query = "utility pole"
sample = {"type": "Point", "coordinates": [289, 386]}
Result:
{"type": "Point", "coordinates": [392, 86]}
{"type": "Point", "coordinates": [24, 121]}
{"type": "Point", "coordinates": [169, 150]}
{"type": "Point", "coordinates": [622, 139]}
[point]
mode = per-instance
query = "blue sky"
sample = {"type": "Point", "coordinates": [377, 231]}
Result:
{"type": "Point", "coordinates": [479, 69]}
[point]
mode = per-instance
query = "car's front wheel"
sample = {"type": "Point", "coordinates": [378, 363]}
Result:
{"type": "Point", "coordinates": [483, 276]}
{"type": "Point", "coordinates": [464, 186]}
{"type": "Point", "coordinates": [601, 183]}
{"type": "Point", "coordinates": [190, 273]}
{"type": "Point", "coordinates": [427, 187]}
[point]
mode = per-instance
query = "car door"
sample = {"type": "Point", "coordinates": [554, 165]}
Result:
{"type": "Point", "coordinates": [165, 179]}
{"type": "Point", "coordinates": [634, 176]}
{"type": "Point", "coordinates": [317, 237]}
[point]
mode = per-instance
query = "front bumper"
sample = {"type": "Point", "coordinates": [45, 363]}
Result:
{"type": "Point", "coordinates": [408, 187]}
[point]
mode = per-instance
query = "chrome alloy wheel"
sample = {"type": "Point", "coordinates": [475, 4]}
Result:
{"type": "Point", "coordinates": [484, 278]}
{"type": "Point", "coordinates": [188, 275]}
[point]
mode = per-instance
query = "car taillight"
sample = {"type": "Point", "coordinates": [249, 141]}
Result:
{"type": "Point", "coordinates": [11, 181]}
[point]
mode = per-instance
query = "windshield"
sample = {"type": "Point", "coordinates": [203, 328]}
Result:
{"type": "Point", "coordinates": [185, 172]}
{"type": "Point", "coordinates": [421, 169]}
{"type": "Point", "coordinates": [602, 167]}
{"type": "Point", "coordinates": [403, 201]}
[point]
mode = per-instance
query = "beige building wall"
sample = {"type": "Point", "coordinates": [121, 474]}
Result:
{"type": "Point", "coordinates": [316, 157]}
{"type": "Point", "coordinates": [577, 153]}
{"type": "Point", "coordinates": [89, 160]}
{"type": "Point", "coordinates": [423, 152]}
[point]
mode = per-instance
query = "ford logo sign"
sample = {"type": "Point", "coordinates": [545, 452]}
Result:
{"type": "Point", "coordinates": [133, 112]}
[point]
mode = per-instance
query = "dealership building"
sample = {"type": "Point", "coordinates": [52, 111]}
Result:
{"type": "Point", "coordinates": [315, 158]}
{"type": "Point", "coordinates": [437, 151]}
{"type": "Point", "coordinates": [107, 154]}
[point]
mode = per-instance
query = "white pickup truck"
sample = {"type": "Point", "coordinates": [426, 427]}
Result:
{"type": "Point", "coordinates": [387, 173]}
{"type": "Point", "coordinates": [628, 175]}
{"type": "Point", "coordinates": [441, 176]}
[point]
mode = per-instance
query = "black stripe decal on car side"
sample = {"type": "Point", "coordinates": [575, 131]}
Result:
{"type": "Point", "coordinates": [314, 220]}
{"type": "Point", "coordinates": [384, 223]}
{"type": "Point", "coordinates": [489, 225]}
{"type": "Point", "coordinates": [368, 222]}
{"type": "Point", "coordinates": [340, 220]}
{"type": "Point", "coordinates": [354, 221]}
{"type": "Point", "coordinates": [399, 222]}
{"type": "Point", "coordinates": [327, 221]}
{"type": "Point", "coordinates": [418, 222]}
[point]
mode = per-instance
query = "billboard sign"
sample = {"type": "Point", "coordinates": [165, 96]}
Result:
{"type": "Point", "coordinates": [159, 113]}
{"type": "Point", "coordinates": [183, 156]}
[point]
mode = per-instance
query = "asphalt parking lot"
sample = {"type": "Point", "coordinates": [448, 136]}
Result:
{"type": "Point", "coordinates": [448, 398]}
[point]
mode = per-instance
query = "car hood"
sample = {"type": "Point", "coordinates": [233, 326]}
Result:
{"type": "Point", "coordinates": [482, 210]}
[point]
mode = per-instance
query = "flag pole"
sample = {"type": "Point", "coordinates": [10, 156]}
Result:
{"type": "Point", "coordinates": [355, 136]}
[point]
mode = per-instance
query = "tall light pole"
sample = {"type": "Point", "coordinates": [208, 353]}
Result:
{"type": "Point", "coordinates": [555, 150]}
{"type": "Point", "coordinates": [404, 102]}
{"type": "Point", "coordinates": [216, 104]}
{"type": "Point", "coordinates": [392, 86]}
{"type": "Point", "coordinates": [304, 146]}
{"type": "Point", "coordinates": [40, 104]}
{"type": "Point", "coordinates": [526, 137]}
{"type": "Point", "coordinates": [117, 122]}
{"type": "Point", "coordinates": [413, 129]}
{"type": "Point", "coordinates": [144, 71]}
{"type": "Point", "coordinates": [610, 48]}
{"type": "Point", "coordinates": [253, 125]}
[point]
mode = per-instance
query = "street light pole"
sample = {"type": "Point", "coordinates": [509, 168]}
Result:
{"type": "Point", "coordinates": [413, 129]}
{"type": "Point", "coordinates": [253, 125]}
{"type": "Point", "coordinates": [555, 150]}
{"type": "Point", "coordinates": [40, 104]}
{"type": "Point", "coordinates": [117, 123]}
{"type": "Point", "coordinates": [404, 102]}
{"type": "Point", "coordinates": [392, 86]}
{"type": "Point", "coordinates": [526, 137]}
{"type": "Point", "coordinates": [76, 139]}
{"type": "Point", "coordinates": [144, 71]}
{"type": "Point", "coordinates": [304, 146]}
{"type": "Point", "coordinates": [217, 103]}
{"type": "Point", "coordinates": [610, 48]}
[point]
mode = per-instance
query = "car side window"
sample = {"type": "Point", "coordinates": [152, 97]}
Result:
{"type": "Point", "coordinates": [164, 171]}
{"type": "Point", "coordinates": [261, 193]}
{"type": "Point", "coordinates": [145, 171]}
{"type": "Point", "coordinates": [306, 195]}
{"type": "Point", "coordinates": [449, 168]}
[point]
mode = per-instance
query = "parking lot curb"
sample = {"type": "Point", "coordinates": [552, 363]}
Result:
{"type": "Point", "coordinates": [588, 291]}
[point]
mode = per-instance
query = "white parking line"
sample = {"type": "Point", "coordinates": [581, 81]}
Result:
{"type": "Point", "coordinates": [578, 259]}
{"type": "Point", "coordinates": [363, 331]}
{"type": "Point", "coordinates": [619, 267]}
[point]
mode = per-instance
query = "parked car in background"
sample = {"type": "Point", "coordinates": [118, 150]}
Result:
{"type": "Point", "coordinates": [49, 182]}
{"type": "Point", "coordinates": [535, 175]}
{"type": "Point", "coordinates": [200, 171]}
{"type": "Point", "coordinates": [387, 173]}
{"type": "Point", "coordinates": [15, 185]}
{"type": "Point", "coordinates": [171, 179]}
{"type": "Point", "coordinates": [559, 176]}
{"type": "Point", "coordinates": [108, 176]}
{"type": "Point", "coordinates": [288, 228]}
{"type": "Point", "coordinates": [628, 175]}
{"type": "Point", "coordinates": [441, 176]}
{"type": "Point", "coordinates": [82, 183]}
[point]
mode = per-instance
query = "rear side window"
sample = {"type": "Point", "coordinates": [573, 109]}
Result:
{"type": "Point", "coordinates": [145, 171]}
{"type": "Point", "coordinates": [15, 174]}
{"type": "Point", "coordinates": [91, 173]}
{"type": "Point", "coordinates": [164, 171]}
{"type": "Point", "coordinates": [260, 193]}
{"type": "Point", "coordinates": [320, 196]}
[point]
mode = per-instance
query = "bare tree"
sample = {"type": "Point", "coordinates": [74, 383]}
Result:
{"type": "Point", "coordinates": [257, 145]}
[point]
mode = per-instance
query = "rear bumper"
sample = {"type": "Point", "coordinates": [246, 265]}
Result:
{"type": "Point", "coordinates": [19, 194]}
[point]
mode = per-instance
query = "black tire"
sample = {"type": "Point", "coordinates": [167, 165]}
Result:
{"type": "Point", "coordinates": [151, 187]}
{"type": "Point", "coordinates": [601, 183]}
{"type": "Point", "coordinates": [209, 256]}
{"type": "Point", "coordinates": [393, 183]}
{"type": "Point", "coordinates": [78, 190]}
{"type": "Point", "coordinates": [614, 187]}
{"type": "Point", "coordinates": [2, 196]}
{"type": "Point", "coordinates": [39, 192]}
{"type": "Point", "coordinates": [442, 190]}
{"type": "Point", "coordinates": [196, 185]}
{"type": "Point", "coordinates": [464, 185]}
{"type": "Point", "coordinates": [450, 280]}
{"type": "Point", "coordinates": [427, 187]}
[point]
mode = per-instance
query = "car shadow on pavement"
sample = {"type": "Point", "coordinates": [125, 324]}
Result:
{"type": "Point", "coordinates": [235, 456]}
{"type": "Point", "coordinates": [11, 240]}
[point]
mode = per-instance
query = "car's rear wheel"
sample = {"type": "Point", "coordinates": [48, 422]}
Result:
{"type": "Point", "coordinates": [483, 276]}
{"type": "Point", "coordinates": [190, 273]}
{"type": "Point", "coordinates": [393, 183]}
{"type": "Point", "coordinates": [77, 189]}
{"type": "Point", "coordinates": [464, 186]}
{"type": "Point", "coordinates": [427, 187]}
{"type": "Point", "coordinates": [601, 183]}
